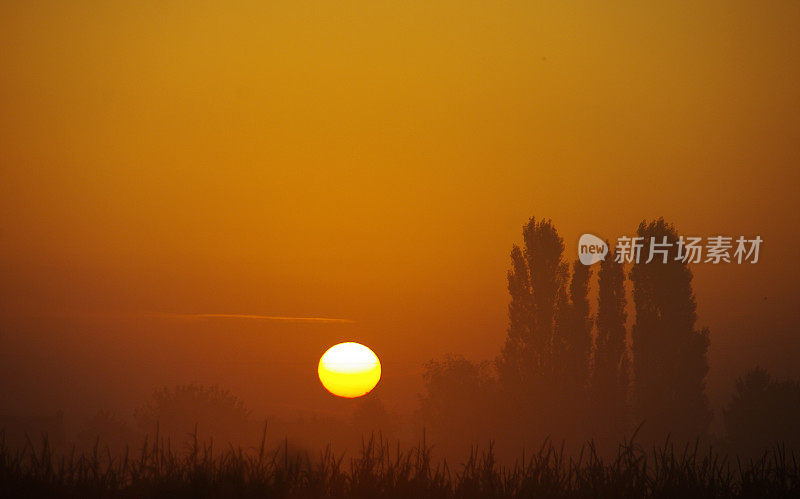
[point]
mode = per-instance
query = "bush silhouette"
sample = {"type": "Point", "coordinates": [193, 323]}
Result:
{"type": "Point", "coordinates": [210, 411]}
{"type": "Point", "coordinates": [763, 412]}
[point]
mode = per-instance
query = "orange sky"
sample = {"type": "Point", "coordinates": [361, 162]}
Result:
{"type": "Point", "coordinates": [371, 161]}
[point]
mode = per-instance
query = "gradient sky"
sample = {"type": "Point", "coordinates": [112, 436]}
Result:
{"type": "Point", "coordinates": [369, 161]}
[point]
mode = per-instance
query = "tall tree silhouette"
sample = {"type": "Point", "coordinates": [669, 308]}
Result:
{"type": "Point", "coordinates": [572, 334]}
{"type": "Point", "coordinates": [531, 365]}
{"type": "Point", "coordinates": [579, 334]}
{"type": "Point", "coordinates": [544, 251]}
{"type": "Point", "coordinates": [536, 277]}
{"type": "Point", "coordinates": [570, 355]}
{"type": "Point", "coordinates": [610, 374]}
{"type": "Point", "coordinates": [669, 355]}
{"type": "Point", "coordinates": [519, 359]}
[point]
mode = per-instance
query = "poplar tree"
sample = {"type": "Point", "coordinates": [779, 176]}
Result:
{"type": "Point", "coordinates": [669, 355]}
{"type": "Point", "coordinates": [544, 365]}
{"type": "Point", "coordinates": [610, 374]}
{"type": "Point", "coordinates": [579, 340]}
{"type": "Point", "coordinates": [537, 275]}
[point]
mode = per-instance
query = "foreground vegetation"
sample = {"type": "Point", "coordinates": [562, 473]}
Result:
{"type": "Point", "coordinates": [383, 470]}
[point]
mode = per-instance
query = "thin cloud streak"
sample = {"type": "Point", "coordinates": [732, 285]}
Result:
{"type": "Point", "coordinates": [275, 318]}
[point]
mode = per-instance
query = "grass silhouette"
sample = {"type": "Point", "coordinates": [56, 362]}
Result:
{"type": "Point", "coordinates": [381, 469]}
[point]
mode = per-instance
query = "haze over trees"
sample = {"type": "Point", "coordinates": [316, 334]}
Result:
{"type": "Point", "coordinates": [461, 401]}
{"type": "Point", "coordinates": [569, 369]}
{"type": "Point", "coordinates": [564, 373]}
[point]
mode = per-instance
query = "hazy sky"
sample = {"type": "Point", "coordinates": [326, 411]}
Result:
{"type": "Point", "coordinates": [369, 161]}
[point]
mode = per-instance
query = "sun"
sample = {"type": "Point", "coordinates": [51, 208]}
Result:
{"type": "Point", "coordinates": [349, 370]}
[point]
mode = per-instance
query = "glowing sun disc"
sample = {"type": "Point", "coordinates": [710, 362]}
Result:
{"type": "Point", "coordinates": [349, 370]}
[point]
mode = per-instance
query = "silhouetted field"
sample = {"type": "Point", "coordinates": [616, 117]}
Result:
{"type": "Point", "coordinates": [381, 469]}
